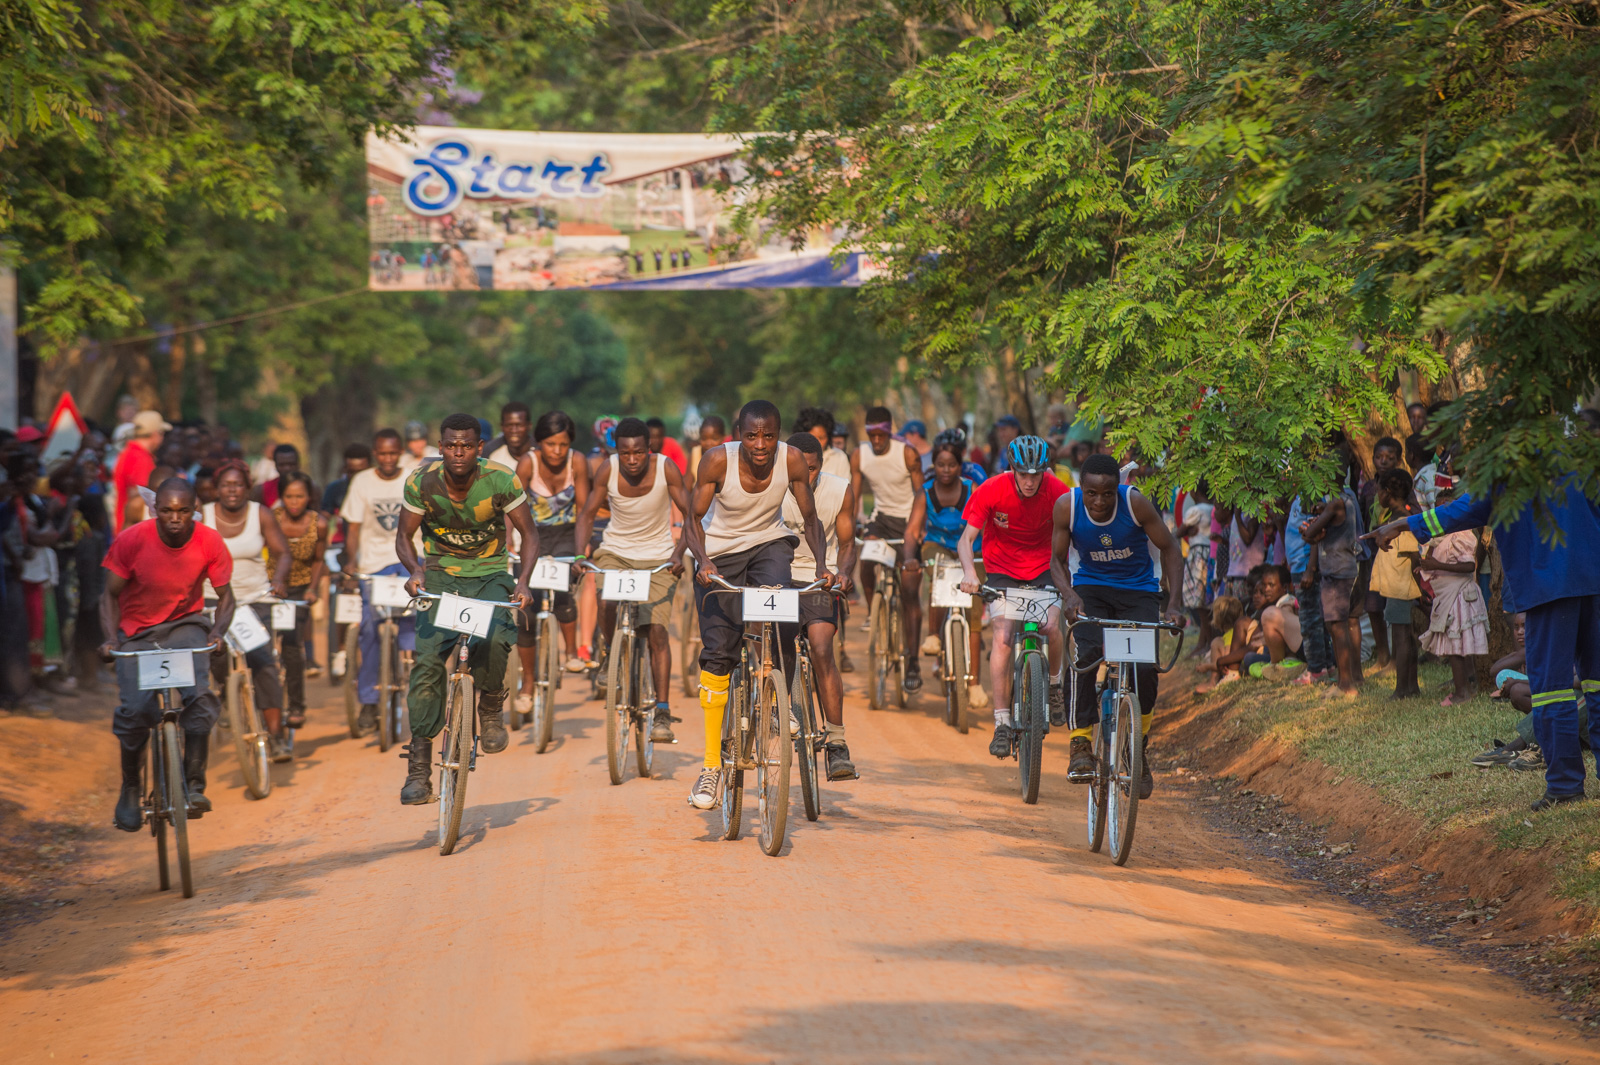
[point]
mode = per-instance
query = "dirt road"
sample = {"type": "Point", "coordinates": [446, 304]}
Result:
{"type": "Point", "coordinates": [928, 917]}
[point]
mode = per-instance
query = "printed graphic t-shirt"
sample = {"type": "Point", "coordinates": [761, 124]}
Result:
{"type": "Point", "coordinates": [465, 539]}
{"type": "Point", "coordinates": [376, 504]}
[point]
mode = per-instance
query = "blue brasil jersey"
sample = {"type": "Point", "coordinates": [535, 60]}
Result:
{"type": "Point", "coordinates": [1116, 554]}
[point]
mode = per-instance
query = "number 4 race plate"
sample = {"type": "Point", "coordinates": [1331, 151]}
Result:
{"type": "Point", "coordinates": [771, 604]}
{"type": "Point", "coordinates": [627, 585]}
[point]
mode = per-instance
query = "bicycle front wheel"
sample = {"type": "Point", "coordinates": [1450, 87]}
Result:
{"type": "Point", "coordinates": [689, 644]}
{"type": "Point", "coordinates": [1033, 705]}
{"type": "Point", "coordinates": [644, 714]}
{"type": "Point", "coordinates": [513, 686]}
{"type": "Point", "coordinates": [802, 705]}
{"type": "Point", "coordinates": [154, 788]}
{"type": "Point", "coordinates": [955, 676]}
{"type": "Point", "coordinates": [733, 742]}
{"type": "Point", "coordinates": [774, 756]}
{"type": "Point", "coordinates": [249, 736]}
{"type": "Point", "coordinates": [177, 801]}
{"type": "Point", "coordinates": [619, 704]}
{"type": "Point", "coordinates": [544, 683]}
{"type": "Point", "coordinates": [897, 652]}
{"type": "Point", "coordinates": [1098, 792]}
{"type": "Point", "coordinates": [1127, 753]}
{"type": "Point", "coordinates": [878, 650]}
{"type": "Point", "coordinates": [388, 645]}
{"type": "Point", "coordinates": [352, 700]}
{"type": "Point", "coordinates": [455, 761]}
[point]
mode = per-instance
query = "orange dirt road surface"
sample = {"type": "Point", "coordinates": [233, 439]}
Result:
{"type": "Point", "coordinates": [929, 916]}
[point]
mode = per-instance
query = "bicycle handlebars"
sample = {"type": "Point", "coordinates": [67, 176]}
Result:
{"type": "Point", "coordinates": [165, 650]}
{"type": "Point", "coordinates": [1123, 623]}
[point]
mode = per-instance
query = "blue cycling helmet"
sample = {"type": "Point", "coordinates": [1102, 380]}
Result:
{"type": "Point", "coordinates": [1028, 454]}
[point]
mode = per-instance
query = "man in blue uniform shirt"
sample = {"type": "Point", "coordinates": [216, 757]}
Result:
{"type": "Point", "coordinates": [1558, 586]}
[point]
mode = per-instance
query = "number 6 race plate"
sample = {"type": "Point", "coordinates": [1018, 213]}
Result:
{"type": "Point", "coordinates": [550, 575]}
{"type": "Point", "coordinates": [166, 669]}
{"type": "Point", "coordinates": [460, 614]}
{"type": "Point", "coordinates": [771, 604]}
{"type": "Point", "coordinates": [627, 585]}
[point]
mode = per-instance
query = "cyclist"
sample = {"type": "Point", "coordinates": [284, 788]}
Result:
{"type": "Point", "coordinates": [371, 513]}
{"type": "Point", "coordinates": [821, 615]}
{"type": "Point", "coordinates": [1112, 526]}
{"type": "Point", "coordinates": [1011, 511]}
{"type": "Point", "coordinates": [418, 450]}
{"type": "Point", "coordinates": [250, 532]}
{"type": "Point", "coordinates": [947, 496]}
{"type": "Point", "coordinates": [556, 478]}
{"type": "Point", "coordinates": [153, 597]}
{"type": "Point", "coordinates": [357, 457]}
{"type": "Point", "coordinates": [641, 489]}
{"type": "Point", "coordinates": [818, 421]}
{"type": "Point", "coordinates": [307, 534]}
{"type": "Point", "coordinates": [736, 530]}
{"type": "Point", "coordinates": [893, 472]}
{"type": "Point", "coordinates": [462, 505]}
{"type": "Point", "coordinates": [516, 435]}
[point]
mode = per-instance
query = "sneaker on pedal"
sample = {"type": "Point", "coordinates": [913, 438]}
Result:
{"type": "Point", "coordinates": [913, 681]}
{"type": "Point", "coordinates": [931, 645]}
{"type": "Point", "coordinates": [840, 767]}
{"type": "Point", "coordinates": [277, 750]}
{"type": "Point", "coordinates": [845, 665]}
{"type": "Point", "coordinates": [704, 794]}
{"type": "Point", "coordinates": [1080, 766]}
{"type": "Point", "coordinates": [367, 722]}
{"type": "Point", "coordinates": [575, 665]}
{"type": "Point", "coordinates": [129, 815]}
{"type": "Point", "coordinates": [492, 735]}
{"type": "Point", "coordinates": [661, 728]}
{"type": "Point", "coordinates": [1147, 782]}
{"type": "Point", "coordinates": [336, 665]}
{"type": "Point", "coordinates": [1000, 745]}
{"type": "Point", "coordinates": [1058, 706]}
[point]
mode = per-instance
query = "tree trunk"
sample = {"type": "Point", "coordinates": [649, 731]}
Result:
{"type": "Point", "coordinates": [172, 405]}
{"type": "Point", "coordinates": [205, 383]}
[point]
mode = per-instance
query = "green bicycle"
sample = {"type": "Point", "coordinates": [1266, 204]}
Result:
{"type": "Point", "coordinates": [1030, 683]}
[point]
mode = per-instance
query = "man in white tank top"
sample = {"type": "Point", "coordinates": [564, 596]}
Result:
{"type": "Point", "coordinates": [892, 471]}
{"type": "Point", "coordinates": [641, 489]}
{"type": "Point", "coordinates": [822, 613]}
{"type": "Point", "coordinates": [736, 530]}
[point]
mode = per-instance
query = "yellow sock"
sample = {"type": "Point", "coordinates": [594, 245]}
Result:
{"type": "Point", "coordinates": [1144, 723]}
{"type": "Point", "coordinates": [1081, 733]}
{"type": "Point", "coordinates": [713, 701]}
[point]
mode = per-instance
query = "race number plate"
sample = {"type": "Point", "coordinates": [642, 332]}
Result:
{"type": "Point", "coordinates": [550, 575]}
{"type": "Point", "coordinates": [166, 669]}
{"type": "Point", "coordinates": [390, 592]}
{"type": "Point", "coordinates": [246, 631]}
{"type": "Point", "coordinates": [771, 604]}
{"type": "Point", "coordinates": [283, 617]}
{"type": "Point", "coordinates": [1025, 605]}
{"type": "Point", "coordinates": [627, 585]}
{"type": "Point", "coordinates": [947, 590]}
{"type": "Point", "coordinates": [347, 609]}
{"type": "Point", "coordinates": [877, 551]}
{"type": "Point", "coordinates": [1130, 645]}
{"type": "Point", "coordinates": [459, 614]}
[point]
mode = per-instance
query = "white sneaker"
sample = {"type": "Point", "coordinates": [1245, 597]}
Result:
{"type": "Point", "coordinates": [704, 794]}
{"type": "Point", "coordinates": [931, 646]}
{"type": "Point", "coordinates": [336, 667]}
{"type": "Point", "coordinates": [977, 698]}
{"type": "Point", "coordinates": [576, 665]}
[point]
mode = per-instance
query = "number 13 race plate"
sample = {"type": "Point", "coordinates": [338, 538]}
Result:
{"type": "Point", "coordinates": [627, 585]}
{"type": "Point", "coordinates": [771, 604]}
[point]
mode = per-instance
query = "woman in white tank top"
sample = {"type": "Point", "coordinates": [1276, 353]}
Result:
{"type": "Point", "coordinates": [249, 530]}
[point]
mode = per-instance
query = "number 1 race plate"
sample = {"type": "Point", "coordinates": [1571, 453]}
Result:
{"type": "Point", "coordinates": [460, 614]}
{"type": "Point", "coordinates": [166, 669]}
{"type": "Point", "coordinates": [1130, 645]}
{"type": "Point", "coordinates": [627, 585]}
{"type": "Point", "coordinates": [771, 604]}
{"type": "Point", "coordinates": [550, 575]}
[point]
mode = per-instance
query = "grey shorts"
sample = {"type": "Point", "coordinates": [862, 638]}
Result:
{"type": "Point", "coordinates": [1336, 594]}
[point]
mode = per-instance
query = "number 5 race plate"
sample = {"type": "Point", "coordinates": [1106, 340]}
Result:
{"type": "Point", "coordinates": [166, 669]}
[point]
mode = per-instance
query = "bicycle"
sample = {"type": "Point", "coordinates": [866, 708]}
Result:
{"type": "Point", "coordinates": [1030, 692]}
{"type": "Point", "coordinates": [630, 690]}
{"type": "Point", "coordinates": [390, 603]}
{"type": "Point", "coordinates": [957, 673]}
{"type": "Point", "coordinates": [163, 671]}
{"type": "Point", "coordinates": [756, 730]}
{"type": "Point", "coordinates": [458, 744]}
{"type": "Point", "coordinates": [283, 623]}
{"type": "Point", "coordinates": [551, 574]}
{"type": "Point", "coordinates": [689, 645]}
{"type": "Point", "coordinates": [251, 738]}
{"type": "Point", "coordinates": [810, 740]}
{"type": "Point", "coordinates": [885, 637]}
{"type": "Point", "coordinates": [1118, 743]}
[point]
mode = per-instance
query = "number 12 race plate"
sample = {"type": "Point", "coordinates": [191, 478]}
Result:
{"type": "Point", "coordinates": [550, 575]}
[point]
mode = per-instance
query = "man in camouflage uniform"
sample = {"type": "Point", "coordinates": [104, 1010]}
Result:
{"type": "Point", "coordinates": [461, 504]}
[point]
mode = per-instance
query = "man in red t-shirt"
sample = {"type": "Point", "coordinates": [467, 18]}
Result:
{"type": "Point", "coordinates": [135, 465]}
{"type": "Point", "coordinates": [153, 599]}
{"type": "Point", "coordinates": [1014, 513]}
{"type": "Point", "coordinates": [662, 444]}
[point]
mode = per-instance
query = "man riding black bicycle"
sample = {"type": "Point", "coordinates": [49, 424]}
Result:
{"type": "Point", "coordinates": [153, 599]}
{"type": "Point", "coordinates": [1111, 528]}
{"type": "Point", "coordinates": [462, 504]}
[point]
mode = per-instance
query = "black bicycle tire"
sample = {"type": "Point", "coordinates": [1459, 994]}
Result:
{"type": "Point", "coordinates": [897, 651]}
{"type": "Point", "coordinates": [644, 748]}
{"type": "Point", "coordinates": [963, 692]}
{"type": "Point", "coordinates": [802, 706]}
{"type": "Point", "coordinates": [1035, 705]}
{"type": "Point", "coordinates": [952, 659]}
{"type": "Point", "coordinates": [177, 804]}
{"type": "Point", "coordinates": [153, 789]}
{"type": "Point", "coordinates": [388, 649]}
{"type": "Point", "coordinates": [877, 654]}
{"type": "Point", "coordinates": [544, 685]}
{"type": "Point", "coordinates": [243, 722]}
{"type": "Point", "coordinates": [733, 742]}
{"type": "Point", "coordinates": [352, 665]}
{"type": "Point", "coordinates": [771, 736]}
{"type": "Point", "coordinates": [617, 711]}
{"type": "Point", "coordinates": [458, 705]}
{"type": "Point", "coordinates": [1098, 791]}
{"type": "Point", "coordinates": [1127, 757]}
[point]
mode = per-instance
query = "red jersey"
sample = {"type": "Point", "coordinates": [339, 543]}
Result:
{"type": "Point", "coordinates": [674, 451]}
{"type": "Point", "coordinates": [134, 467]}
{"type": "Point", "coordinates": [1016, 531]}
{"type": "Point", "coordinates": [164, 582]}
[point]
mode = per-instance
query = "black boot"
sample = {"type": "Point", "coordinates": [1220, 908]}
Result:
{"type": "Point", "coordinates": [367, 720]}
{"type": "Point", "coordinates": [491, 723]}
{"type": "Point", "coordinates": [840, 767]}
{"type": "Point", "coordinates": [130, 804]}
{"type": "Point", "coordinates": [418, 787]}
{"type": "Point", "coordinates": [196, 746]}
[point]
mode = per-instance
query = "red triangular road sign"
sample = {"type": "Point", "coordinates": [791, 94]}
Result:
{"type": "Point", "coordinates": [64, 432]}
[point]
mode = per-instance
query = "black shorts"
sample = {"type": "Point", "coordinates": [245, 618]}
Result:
{"type": "Point", "coordinates": [721, 617]}
{"type": "Point", "coordinates": [820, 605]}
{"type": "Point", "coordinates": [885, 527]}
